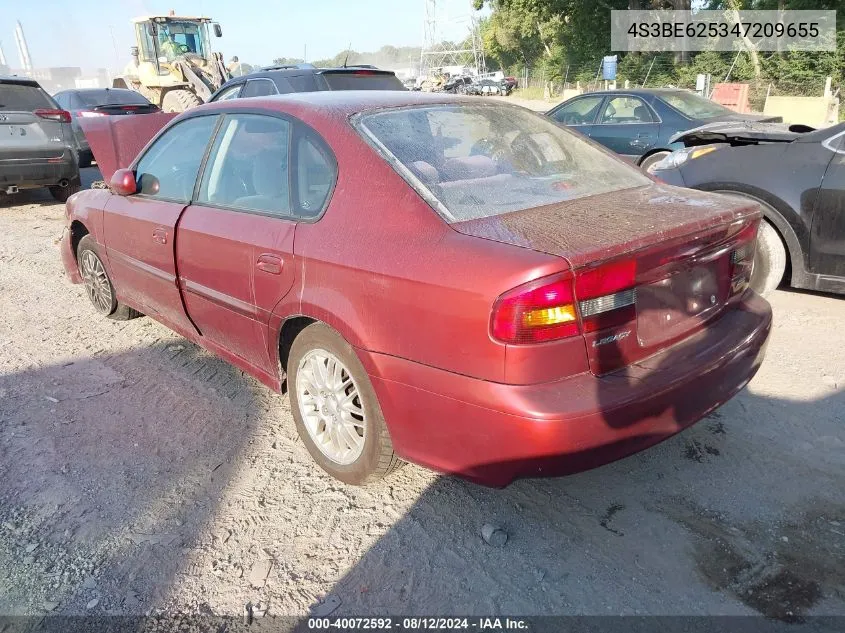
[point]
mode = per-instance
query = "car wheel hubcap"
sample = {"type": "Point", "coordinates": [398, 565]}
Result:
{"type": "Point", "coordinates": [96, 281]}
{"type": "Point", "coordinates": [331, 406]}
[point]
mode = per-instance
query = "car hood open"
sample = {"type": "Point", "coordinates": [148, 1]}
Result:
{"type": "Point", "coordinates": [116, 140]}
{"type": "Point", "coordinates": [741, 132]}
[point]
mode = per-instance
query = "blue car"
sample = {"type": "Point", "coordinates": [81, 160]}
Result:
{"type": "Point", "coordinates": [638, 124]}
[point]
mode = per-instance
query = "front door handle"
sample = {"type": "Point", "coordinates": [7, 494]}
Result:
{"type": "Point", "coordinates": [160, 235]}
{"type": "Point", "coordinates": [270, 264]}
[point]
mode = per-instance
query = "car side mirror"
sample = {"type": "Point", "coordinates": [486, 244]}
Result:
{"type": "Point", "coordinates": [123, 182]}
{"type": "Point", "coordinates": [218, 31]}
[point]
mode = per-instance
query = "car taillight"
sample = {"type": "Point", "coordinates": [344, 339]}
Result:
{"type": "Point", "coordinates": [742, 258]}
{"type": "Point", "coordinates": [536, 312]}
{"type": "Point", "coordinates": [54, 115]}
{"type": "Point", "coordinates": [606, 294]}
{"type": "Point", "coordinates": [89, 113]}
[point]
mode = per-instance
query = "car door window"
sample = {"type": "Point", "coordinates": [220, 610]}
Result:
{"type": "Point", "coordinates": [229, 93]}
{"type": "Point", "coordinates": [168, 169]}
{"type": "Point", "coordinates": [259, 88]}
{"type": "Point", "coordinates": [248, 165]}
{"type": "Point", "coordinates": [314, 173]}
{"type": "Point", "coordinates": [626, 110]}
{"type": "Point", "coordinates": [578, 111]}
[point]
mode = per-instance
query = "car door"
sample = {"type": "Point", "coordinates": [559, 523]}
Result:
{"type": "Point", "coordinates": [139, 230]}
{"type": "Point", "coordinates": [827, 237]}
{"type": "Point", "coordinates": [234, 250]}
{"type": "Point", "coordinates": [626, 125]}
{"type": "Point", "coordinates": [579, 113]}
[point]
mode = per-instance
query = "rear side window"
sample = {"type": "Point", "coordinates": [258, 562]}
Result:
{"type": "Point", "coordinates": [362, 80]}
{"type": "Point", "coordinates": [169, 168]}
{"type": "Point", "coordinates": [315, 175]}
{"type": "Point", "coordinates": [229, 93]}
{"type": "Point", "coordinates": [303, 83]}
{"type": "Point", "coordinates": [259, 88]}
{"type": "Point", "coordinates": [19, 98]}
{"type": "Point", "coordinates": [248, 165]}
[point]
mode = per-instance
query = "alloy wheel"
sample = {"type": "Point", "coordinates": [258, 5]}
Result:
{"type": "Point", "coordinates": [96, 281]}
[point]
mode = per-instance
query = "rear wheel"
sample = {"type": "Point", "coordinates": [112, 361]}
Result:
{"type": "Point", "coordinates": [63, 193]}
{"type": "Point", "coordinates": [653, 158]}
{"type": "Point", "coordinates": [336, 411]}
{"type": "Point", "coordinates": [179, 101]}
{"type": "Point", "coordinates": [98, 284]}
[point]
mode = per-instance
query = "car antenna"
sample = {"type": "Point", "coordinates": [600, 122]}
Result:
{"type": "Point", "coordinates": [346, 59]}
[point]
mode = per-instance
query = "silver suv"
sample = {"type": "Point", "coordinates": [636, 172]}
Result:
{"type": "Point", "coordinates": [36, 141]}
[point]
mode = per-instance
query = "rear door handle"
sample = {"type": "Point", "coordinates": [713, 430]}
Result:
{"type": "Point", "coordinates": [270, 264]}
{"type": "Point", "coordinates": [160, 235]}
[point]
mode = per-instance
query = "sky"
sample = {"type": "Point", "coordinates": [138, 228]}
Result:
{"type": "Point", "coordinates": [97, 33]}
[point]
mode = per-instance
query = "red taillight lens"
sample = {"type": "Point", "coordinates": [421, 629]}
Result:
{"type": "Point", "coordinates": [54, 115]}
{"type": "Point", "coordinates": [536, 312]}
{"type": "Point", "coordinates": [606, 294]}
{"type": "Point", "coordinates": [742, 258]}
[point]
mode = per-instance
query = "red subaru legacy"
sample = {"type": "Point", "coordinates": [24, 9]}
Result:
{"type": "Point", "coordinates": [464, 285]}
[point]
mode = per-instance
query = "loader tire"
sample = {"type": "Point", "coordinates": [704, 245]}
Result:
{"type": "Point", "coordinates": [179, 101]}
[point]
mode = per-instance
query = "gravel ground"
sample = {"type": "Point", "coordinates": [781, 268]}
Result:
{"type": "Point", "coordinates": [139, 474]}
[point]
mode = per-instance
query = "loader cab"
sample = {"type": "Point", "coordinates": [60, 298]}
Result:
{"type": "Point", "coordinates": [162, 39]}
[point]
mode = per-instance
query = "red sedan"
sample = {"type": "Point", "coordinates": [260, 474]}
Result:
{"type": "Point", "coordinates": [464, 285]}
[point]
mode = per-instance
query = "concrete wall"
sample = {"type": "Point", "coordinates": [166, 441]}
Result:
{"type": "Point", "coordinates": [814, 111]}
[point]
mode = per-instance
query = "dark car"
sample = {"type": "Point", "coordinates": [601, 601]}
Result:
{"type": "Point", "coordinates": [37, 148]}
{"type": "Point", "coordinates": [91, 102]}
{"type": "Point", "coordinates": [484, 87]}
{"type": "Point", "coordinates": [306, 78]}
{"type": "Point", "coordinates": [478, 312]}
{"type": "Point", "coordinates": [638, 124]}
{"type": "Point", "coordinates": [796, 174]}
{"type": "Point", "coordinates": [457, 84]}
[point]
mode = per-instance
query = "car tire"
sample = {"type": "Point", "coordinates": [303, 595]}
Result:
{"type": "Point", "coordinates": [653, 158]}
{"type": "Point", "coordinates": [63, 193]}
{"type": "Point", "coordinates": [350, 440]}
{"type": "Point", "coordinates": [85, 159]}
{"type": "Point", "coordinates": [769, 260]}
{"type": "Point", "coordinates": [98, 284]}
{"type": "Point", "coordinates": [179, 101]}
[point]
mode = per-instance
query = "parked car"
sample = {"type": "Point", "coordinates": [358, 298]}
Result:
{"type": "Point", "coordinates": [507, 300]}
{"type": "Point", "coordinates": [90, 102]}
{"type": "Point", "coordinates": [457, 84]}
{"type": "Point", "coordinates": [483, 87]}
{"type": "Point", "coordinates": [510, 83]}
{"type": "Point", "coordinates": [796, 174]}
{"type": "Point", "coordinates": [36, 141]}
{"type": "Point", "coordinates": [306, 78]}
{"type": "Point", "coordinates": [638, 124]}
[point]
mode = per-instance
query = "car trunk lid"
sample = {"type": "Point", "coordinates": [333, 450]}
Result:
{"type": "Point", "coordinates": [651, 265]}
{"type": "Point", "coordinates": [116, 141]}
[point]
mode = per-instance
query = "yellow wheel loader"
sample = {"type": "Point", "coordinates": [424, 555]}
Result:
{"type": "Point", "coordinates": [172, 64]}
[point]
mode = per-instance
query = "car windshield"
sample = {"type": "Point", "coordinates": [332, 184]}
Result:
{"type": "Point", "coordinates": [18, 97]}
{"type": "Point", "coordinates": [474, 161]}
{"type": "Point", "coordinates": [694, 106]}
{"type": "Point", "coordinates": [93, 98]}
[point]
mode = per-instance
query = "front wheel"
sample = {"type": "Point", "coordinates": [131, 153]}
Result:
{"type": "Point", "coordinates": [335, 408]}
{"type": "Point", "coordinates": [179, 101]}
{"type": "Point", "coordinates": [98, 284]}
{"type": "Point", "coordinates": [769, 260]}
{"type": "Point", "coordinates": [650, 160]}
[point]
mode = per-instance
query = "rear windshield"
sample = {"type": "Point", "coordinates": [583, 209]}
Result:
{"type": "Point", "coordinates": [94, 98]}
{"type": "Point", "coordinates": [18, 98]}
{"type": "Point", "coordinates": [484, 160]}
{"type": "Point", "coordinates": [694, 106]}
{"type": "Point", "coordinates": [362, 81]}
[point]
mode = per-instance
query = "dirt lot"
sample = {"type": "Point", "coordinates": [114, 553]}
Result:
{"type": "Point", "coordinates": [138, 473]}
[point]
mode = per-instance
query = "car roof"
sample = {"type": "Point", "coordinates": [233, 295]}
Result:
{"type": "Point", "coordinates": [299, 70]}
{"type": "Point", "coordinates": [93, 90]}
{"type": "Point", "coordinates": [343, 103]}
{"type": "Point", "coordinates": [635, 91]}
{"type": "Point", "coordinates": [22, 81]}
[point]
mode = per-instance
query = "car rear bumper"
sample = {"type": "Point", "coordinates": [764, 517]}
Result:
{"type": "Point", "coordinates": [493, 433]}
{"type": "Point", "coordinates": [38, 172]}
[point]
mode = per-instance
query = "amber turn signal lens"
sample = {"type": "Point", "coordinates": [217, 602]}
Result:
{"type": "Point", "coordinates": [549, 316]}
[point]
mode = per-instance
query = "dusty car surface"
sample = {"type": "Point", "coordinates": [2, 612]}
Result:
{"type": "Point", "coordinates": [796, 174]}
{"type": "Point", "coordinates": [37, 148]}
{"type": "Point", "coordinates": [507, 301]}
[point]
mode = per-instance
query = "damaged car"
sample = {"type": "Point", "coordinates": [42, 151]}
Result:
{"type": "Point", "coordinates": [795, 173]}
{"type": "Point", "coordinates": [508, 301]}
